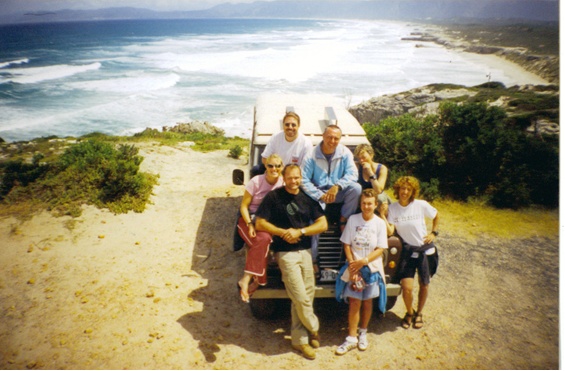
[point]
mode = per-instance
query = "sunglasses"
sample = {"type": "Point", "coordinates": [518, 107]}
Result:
{"type": "Point", "coordinates": [288, 125]}
{"type": "Point", "coordinates": [270, 166]}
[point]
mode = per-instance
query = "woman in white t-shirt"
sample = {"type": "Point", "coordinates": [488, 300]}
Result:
{"type": "Point", "coordinates": [364, 240]}
{"type": "Point", "coordinates": [408, 216]}
{"type": "Point", "coordinates": [258, 242]}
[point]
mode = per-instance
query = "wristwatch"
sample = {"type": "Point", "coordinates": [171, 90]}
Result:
{"type": "Point", "coordinates": [435, 233]}
{"type": "Point", "coordinates": [374, 177]}
{"type": "Point", "coordinates": [303, 231]}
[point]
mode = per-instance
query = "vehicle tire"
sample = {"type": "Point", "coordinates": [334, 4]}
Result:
{"type": "Point", "coordinates": [390, 301]}
{"type": "Point", "coordinates": [267, 308]}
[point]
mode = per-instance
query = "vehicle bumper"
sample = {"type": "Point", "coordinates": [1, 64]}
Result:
{"type": "Point", "coordinates": [322, 291]}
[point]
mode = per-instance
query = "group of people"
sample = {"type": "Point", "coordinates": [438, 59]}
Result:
{"type": "Point", "coordinates": [283, 209]}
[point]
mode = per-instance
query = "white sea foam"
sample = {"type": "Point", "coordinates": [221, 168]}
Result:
{"type": "Point", "coordinates": [132, 85]}
{"type": "Point", "coordinates": [144, 82]}
{"type": "Point", "coordinates": [34, 75]}
{"type": "Point", "coordinates": [19, 61]}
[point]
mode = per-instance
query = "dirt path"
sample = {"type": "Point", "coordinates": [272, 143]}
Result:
{"type": "Point", "coordinates": [158, 290]}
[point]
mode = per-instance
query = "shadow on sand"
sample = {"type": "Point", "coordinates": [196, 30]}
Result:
{"type": "Point", "coordinates": [216, 262]}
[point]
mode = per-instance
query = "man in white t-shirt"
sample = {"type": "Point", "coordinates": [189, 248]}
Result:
{"type": "Point", "coordinates": [289, 143]}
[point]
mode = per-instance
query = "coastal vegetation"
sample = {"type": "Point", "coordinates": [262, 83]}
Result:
{"type": "Point", "coordinates": [471, 150]}
{"type": "Point", "coordinates": [60, 175]}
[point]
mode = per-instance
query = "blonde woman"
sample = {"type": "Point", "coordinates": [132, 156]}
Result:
{"type": "Point", "coordinates": [258, 242]}
{"type": "Point", "coordinates": [373, 175]}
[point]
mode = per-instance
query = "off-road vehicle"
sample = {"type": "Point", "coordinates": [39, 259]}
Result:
{"type": "Point", "coordinates": [316, 113]}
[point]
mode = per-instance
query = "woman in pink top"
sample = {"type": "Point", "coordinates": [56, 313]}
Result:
{"type": "Point", "coordinates": [258, 242]}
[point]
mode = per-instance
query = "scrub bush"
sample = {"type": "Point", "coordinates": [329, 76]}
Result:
{"type": "Point", "coordinates": [470, 151]}
{"type": "Point", "coordinates": [91, 172]}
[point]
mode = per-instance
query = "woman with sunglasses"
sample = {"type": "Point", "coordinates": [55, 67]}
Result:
{"type": "Point", "coordinates": [258, 242]}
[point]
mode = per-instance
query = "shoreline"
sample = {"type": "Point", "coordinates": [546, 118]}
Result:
{"type": "Point", "coordinates": [543, 69]}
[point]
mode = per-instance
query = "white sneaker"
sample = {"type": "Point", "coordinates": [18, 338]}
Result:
{"type": "Point", "coordinates": [345, 347]}
{"type": "Point", "coordinates": [363, 343]}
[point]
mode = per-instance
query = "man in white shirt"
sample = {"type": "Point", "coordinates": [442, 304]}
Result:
{"type": "Point", "coordinates": [289, 143]}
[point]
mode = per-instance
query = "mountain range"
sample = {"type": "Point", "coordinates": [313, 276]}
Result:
{"type": "Point", "coordinates": [409, 10]}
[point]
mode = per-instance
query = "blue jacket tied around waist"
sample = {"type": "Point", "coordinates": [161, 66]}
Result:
{"type": "Point", "coordinates": [369, 278]}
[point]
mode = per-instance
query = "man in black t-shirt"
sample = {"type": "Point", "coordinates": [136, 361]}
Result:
{"type": "Point", "coordinates": [287, 214]}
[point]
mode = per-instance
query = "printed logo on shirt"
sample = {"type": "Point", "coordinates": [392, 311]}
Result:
{"type": "Point", "coordinates": [362, 240]}
{"type": "Point", "coordinates": [294, 159]}
{"type": "Point", "coordinates": [406, 218]}
{"type": "Point", "coordinates": [292, 208]}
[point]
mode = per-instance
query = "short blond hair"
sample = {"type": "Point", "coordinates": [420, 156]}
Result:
{"type": "Point", "coordinates": [368, 193]}
{"type": "Point", "coordinates": [275, 157]}
{"type": "Point", "coordinates": [364, 147]}
{"type": "Point", "coordinates": [290, 167]}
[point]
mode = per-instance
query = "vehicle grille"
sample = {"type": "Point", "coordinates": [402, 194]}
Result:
{"type": "Point", "coordinates": [330, 250]}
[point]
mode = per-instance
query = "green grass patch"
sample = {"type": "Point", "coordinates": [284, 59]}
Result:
{"type": "Point", "coordinates": [475, 220]}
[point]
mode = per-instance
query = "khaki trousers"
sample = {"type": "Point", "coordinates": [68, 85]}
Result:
{"type": "Point", "coordinates": [298, 277]}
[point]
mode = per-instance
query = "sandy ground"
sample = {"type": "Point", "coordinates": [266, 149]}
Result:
{"type": "Point", "coordinates": [157, 290]}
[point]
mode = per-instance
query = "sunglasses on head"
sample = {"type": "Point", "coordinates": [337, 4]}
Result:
{"type": "Point", "coordinates": [270, 166]}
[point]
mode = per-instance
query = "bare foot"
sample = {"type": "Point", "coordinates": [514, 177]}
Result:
{"type": "Point", "coordinates": [243, 287]}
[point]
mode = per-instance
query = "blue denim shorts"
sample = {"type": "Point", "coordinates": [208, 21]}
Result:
{"type": "Point", "coordinates": [370, 292]}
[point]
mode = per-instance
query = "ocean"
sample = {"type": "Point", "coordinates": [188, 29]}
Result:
{"type": "Point", "coordinates": [120, 77]}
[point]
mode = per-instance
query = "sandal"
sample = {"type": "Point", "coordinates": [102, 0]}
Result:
{"type": "Point", "coordinates": [253, 286]}
{"type": "Point", "coordinates": [418, 321]}
{"type": "Point", "coordinates": [407, 320]}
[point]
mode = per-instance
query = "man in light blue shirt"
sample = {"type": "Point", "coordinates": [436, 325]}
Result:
{"type": "Point", "coordinates": [329, 174]}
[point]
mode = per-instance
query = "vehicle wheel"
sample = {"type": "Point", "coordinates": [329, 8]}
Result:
{"type": "Point", "coordinates": [266, 308]}
{"type": "Point", "coordinates": [390, 301]}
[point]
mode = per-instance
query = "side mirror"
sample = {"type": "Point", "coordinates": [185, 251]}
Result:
{"type": "Point", "coordinates": [237, 177]}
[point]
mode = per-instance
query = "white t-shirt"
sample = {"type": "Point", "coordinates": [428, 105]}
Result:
{"type": "Point", "coordinates": [258, 187]}
{"type": "Point", "coordinates": [291, 152]}
{"type": "Point", "coordinates": [364, 236]}
{"type": "Point", "coordinates": [410, 221]}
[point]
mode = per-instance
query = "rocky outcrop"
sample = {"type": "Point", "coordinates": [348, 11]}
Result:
{"type": "Point", "coordinates": [194, 127]}
{"type": "Point", "coordinates": [421, 101]}
{"type": "Point", "coordinates": [543, 126]}
{"type": "Point", "coordinates": [426, 100]}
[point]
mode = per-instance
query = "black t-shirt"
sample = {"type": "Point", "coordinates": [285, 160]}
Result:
{"type": "Point", "coordinates": [286, 210]}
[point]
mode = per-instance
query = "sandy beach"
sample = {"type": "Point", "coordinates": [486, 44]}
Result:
{"type": "Point", "coordinates": [514, 71]}
{"type": "Point", "coordinates": [157, 290]}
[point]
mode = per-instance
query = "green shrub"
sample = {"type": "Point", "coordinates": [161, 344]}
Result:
{"type": "Point", "coordinates": [91, 172]}
{"type": "Point", "coordinates": [235, 152]}
{"type": "Point", "coordinates": [19, 173]}
{"type": "Point", "coordinates": [408, 146]}
{"type": "Point", "coordinates": [470, 151]}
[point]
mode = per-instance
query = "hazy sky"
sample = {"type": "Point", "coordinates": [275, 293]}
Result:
{"type": "Point", "coordinates": [11, 6]}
